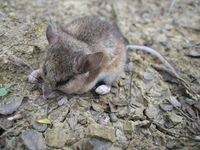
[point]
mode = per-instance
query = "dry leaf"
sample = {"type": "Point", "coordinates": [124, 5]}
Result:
{"type": "Point", "coordinates": [113, 108]}
{"type": "Point", "coordinates": [9, 108]}
{"type": "Point", "coordinates": [119, 101]}
{"type": "Point", "coordinates": [197, 106]}
{"type": "Point", "coordinates": [166, 107]}
{"type": "Point", "coordinates": [148, 76]}
{"type": "Point", "coordinates": [33, 140]}
{"type": "Point", "coordinates": [196, 127]}
{"type": "Point", "coordinates": [188, 109]}
{"type": "Point", "coordinates": [191, 53]}
{"type": "Point", "coordinates": [100, 106]}
{"type": "Point", "coordinates": [174, 101]}
{"type": "Point", "coordinates": [73, 120]}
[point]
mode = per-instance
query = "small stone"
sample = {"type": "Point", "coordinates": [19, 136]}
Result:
{"type": "Point", "coordinates": [108, 7]}
{"type": "Point", "coordinates": [113, 117]}
{"type": "Point", "coordinates": [104, 132]}
{"type": "Point", "coordinates": [122, 82]}
{"type": "Point", "coordinates": [119, 124]}
{"type": "Point", "coordinates": [176, 119]}
{"type": "Point", "coordinates": [152, 112]}
{"type": "Point", "coordinates": [121, 138]}
{"type": "Point", "coordinates": [115, 85]}
{"type": "Point", "coordinates": [123, 75]}
{"type": "Point", "coordinates": [114, 90]}
{"type": "Point", "coordinates": [148, 76]}
{"type": "Point", "coordinates": [137, 114]}
{"type": "Point", "coordinates": [38, 126]}
{"type": "Point", "coordinates": [129, 126]}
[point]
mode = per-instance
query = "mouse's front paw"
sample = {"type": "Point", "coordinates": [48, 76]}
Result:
{"type": "Point", "coordinates": [33, 77]}
{"type": "Point", "coordinates": [103, 89]}
{"type": "Point", "coordinates": [62, 100]}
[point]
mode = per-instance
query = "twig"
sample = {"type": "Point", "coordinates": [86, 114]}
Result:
{"type": "Point", "coordinates": [184, 83]}
{"type": "Point", "coordinates": [130, 89]}
{"type": "Point", "coordinates": [27, 44]}
{"type": "Point", "coordinates": [1, 126]}
{"type": "Point", "coordinates": [172, 6]}
{"type": "Point", "coordinates": [10, 130]}
{"type": "Point", "coordinates": [184, 114]}
{"type": "Point", "coordinates": [173, 133]}
{"type": "Point", "coordinates": [188, 27]}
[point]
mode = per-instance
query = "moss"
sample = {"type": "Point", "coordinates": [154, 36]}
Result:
{"type": "Point", "coordinates": [37, 29]}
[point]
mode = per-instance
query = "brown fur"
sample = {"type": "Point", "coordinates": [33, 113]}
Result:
{"type": "Point", "coordinates": [86, 51]}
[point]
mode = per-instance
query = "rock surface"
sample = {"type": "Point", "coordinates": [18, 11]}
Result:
{"type": "Point", "coordinates": [99, 131]}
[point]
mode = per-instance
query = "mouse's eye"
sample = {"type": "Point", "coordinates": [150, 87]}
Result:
{"type": "Point", "coordinates": [62, 82]}
{"type": "Point", "coordinates": [45, 69]}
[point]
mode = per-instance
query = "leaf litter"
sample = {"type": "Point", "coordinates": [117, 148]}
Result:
{"type": "Point", "coordinates": [141, 92]}
{"type": "Point", "coordinates": [9, 108]}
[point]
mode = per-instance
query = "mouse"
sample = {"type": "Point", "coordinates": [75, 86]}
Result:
{"type": "Point", "coordinates": [83, 53]}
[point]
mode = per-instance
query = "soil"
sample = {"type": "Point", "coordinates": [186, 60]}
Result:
{"type": "Point", "coordinates": [151, 107]}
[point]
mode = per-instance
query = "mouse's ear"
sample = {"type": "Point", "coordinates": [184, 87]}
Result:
{"type": "Point", "coordinates": [52, 35]}
{"type": "Point", "coordinates": [89, 62]}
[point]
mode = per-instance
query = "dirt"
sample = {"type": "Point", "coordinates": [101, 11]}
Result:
{"type": "Point", "coordinates": [150, 107]}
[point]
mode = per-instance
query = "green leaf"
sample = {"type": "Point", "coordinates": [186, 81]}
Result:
{"type": "Point", "coordinates": [3, 92]}
{"type": "Point", "coordinates": [7, 85]}
{"type": "Point", "coordinates": [44, 121]}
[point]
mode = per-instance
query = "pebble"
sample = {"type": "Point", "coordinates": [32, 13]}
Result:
{"type": "Point", "coordinates": [113, 117]}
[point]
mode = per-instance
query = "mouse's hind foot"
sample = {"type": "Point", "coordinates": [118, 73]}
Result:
{"type": "Point", "coordinates": [103, 89]}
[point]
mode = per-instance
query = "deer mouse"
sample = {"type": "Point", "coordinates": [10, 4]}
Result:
{"type": "Point", "coordinates": [85, 52]}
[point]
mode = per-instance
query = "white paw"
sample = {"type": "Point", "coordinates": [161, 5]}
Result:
{"type": "Point", "coordinates": [62, 100]}
{"type": "Point", "coordinates": [103, 89]}
{"type": "Point", "coordinates": [33, 77]}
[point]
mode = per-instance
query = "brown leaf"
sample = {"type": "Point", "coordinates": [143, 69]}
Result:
{"type": "Point", "coordinates": [119, 101]}
{"type": "Point", "coordinates": [100, 106]}
{"type": "Point", "coordinates": [9, 108]}
{"type": "Point", "coordinates": [73, 120]}
{"type": "Point", "coordinates": [33, 140]}
{"type": "Point", "coordinates": [113, 108]}
{"type": "Point", "coordinates": [188, 109]}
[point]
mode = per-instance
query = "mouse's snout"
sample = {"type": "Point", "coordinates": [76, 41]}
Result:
{"type": "Point", "coordinates": [47, 91]}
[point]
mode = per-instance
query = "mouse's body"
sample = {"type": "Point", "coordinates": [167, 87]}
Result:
{"type": "Point", "coordinates": [85, 52]}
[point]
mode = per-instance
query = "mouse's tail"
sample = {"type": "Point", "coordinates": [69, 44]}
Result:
{"type": "Point", "coordinates": [153, 52]}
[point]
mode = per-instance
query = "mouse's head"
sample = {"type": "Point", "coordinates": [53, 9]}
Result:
{"type": "Point", "coordinates": [67, 63]}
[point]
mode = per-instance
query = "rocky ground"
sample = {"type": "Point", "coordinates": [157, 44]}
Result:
{"type": "Point", "coordinates": [151, 107]}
